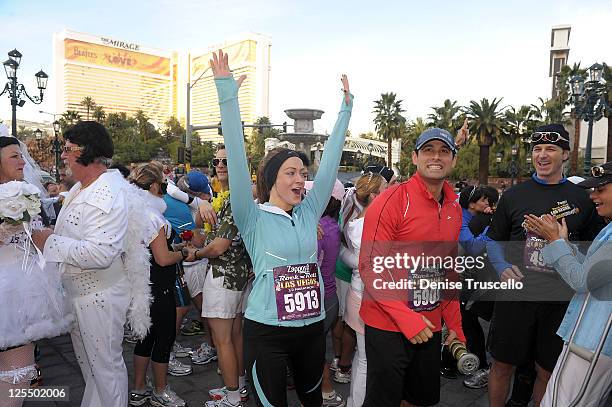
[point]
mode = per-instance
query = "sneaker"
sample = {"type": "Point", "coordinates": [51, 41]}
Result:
{"type": "Point", "coordinates": [478, 380]}
{"type": "Point", "coordinates": [166, 398]}
{"type": "Point", "coordinates": [176, 368]}
{"type": "Point", "coordinates": [218, 394]}
{"type": "Point", "coordinates": [335, 400]}
{"type": "Point", "coordinates": [224, 402]}
{"type": "Point", "coordinates": [204, 354]}
{"type": "Point", "coordinates": [448, 372]}
{"type": "Point", "coordinates": [181, 351]}
{"type": "Point", "coordinates": [140, 397]}
{"type": "Point", "coordinates": [194, 328]}
{"type": "Point", "coordinates": [333, 366]}
{"type": "Point", "coordinates": [342, 377]}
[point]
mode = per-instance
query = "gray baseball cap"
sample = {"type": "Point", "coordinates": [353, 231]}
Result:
{"type": "Point", "coordinates": [436, 134]}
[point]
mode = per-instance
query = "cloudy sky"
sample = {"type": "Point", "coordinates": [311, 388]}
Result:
{"type": "Point", "coordinates": [423, 52]}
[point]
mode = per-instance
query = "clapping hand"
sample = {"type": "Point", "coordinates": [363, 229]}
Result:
{"type": "Point", "coordinates": [345, 89]}
{"type": "Point", "coordinates": [220, 67]}
{"type": "Point", "coordinates": [546, 227]}
{"type": "Point", "coordinates": [463, 134]}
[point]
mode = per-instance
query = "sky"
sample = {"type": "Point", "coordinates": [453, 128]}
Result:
{"type": "Point", "coordinates": [425, 52]}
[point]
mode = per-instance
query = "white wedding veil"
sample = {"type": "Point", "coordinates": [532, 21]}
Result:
{"type": "Point", "coordinates": [31, 172]}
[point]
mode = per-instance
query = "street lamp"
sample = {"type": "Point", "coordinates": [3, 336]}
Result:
{"type": "Point", "coordinates": [16, 90]}
{"type": "Point", "coordinates": [359, 157]}
{"type": "Point", "coordinates": [589, 100]}
{"type": "Point", "coordinates": [513, 165]}
{"type": "Point", "coordinates": [498, 157]}
{"type": "Point", "coordinates": [370, 149]}
{"type": "Point", "coordinates": [39, 137]}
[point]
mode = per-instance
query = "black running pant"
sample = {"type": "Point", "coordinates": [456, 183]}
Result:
{"type": "Point", "coordinates": [158, 343]}
{"type": "Point", "coordinates": [268, 350]}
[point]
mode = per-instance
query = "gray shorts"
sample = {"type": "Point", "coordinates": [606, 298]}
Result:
{"type": "Point", "coordinates": [331, 312]}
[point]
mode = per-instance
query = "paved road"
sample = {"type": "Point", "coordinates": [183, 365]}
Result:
{"type": "Point", "coordinates": [59, 368]}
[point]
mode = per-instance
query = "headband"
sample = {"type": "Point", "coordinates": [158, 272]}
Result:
{"type": "Point", "coordinates": [272, 167]}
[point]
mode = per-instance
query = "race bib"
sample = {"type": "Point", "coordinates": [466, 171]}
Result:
{"type": "Point", "coordinates": [424, 296]}
{"type": "Point", "coordinates": [532, 255]}
{"type": "Point", "coordinates": [297, 291]}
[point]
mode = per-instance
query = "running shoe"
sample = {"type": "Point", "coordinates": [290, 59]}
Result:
{"type": "Point", "coordinates": [194, 328]}
{"type": "Point", "coordinates": [224, 402]}
{"type": "Point", "coordinates": [334, 400]}
{"type": "Point", "coordinates": [218, 394]}
{"type": "Point", "coordinates": [140, 397]}
{"type": "Point", "coordinates": [176, 368]}
{"type": "Point", "coordinates": [204, 354]}
{"type": "Point", "coordinates": [478, 380]}
{"type": "Point", "coordinates": [448, 372]}
{"type": "Point", "coordinates": [333, 366]}
{"type": "Point", "coordinates": [166, 398]}
{"type": "Point", "coordinates": [342, 377]}
{"type": "Point", "coordinates": [181, 351]}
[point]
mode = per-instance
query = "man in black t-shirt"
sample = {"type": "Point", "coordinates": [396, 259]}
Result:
{"type": "Point", "coordinates": [525, 320]}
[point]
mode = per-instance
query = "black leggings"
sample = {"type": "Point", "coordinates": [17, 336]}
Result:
{"type": "Point", "coordinates": [268, 350]}
{"type": "Point", "coordinates": [158, 343]}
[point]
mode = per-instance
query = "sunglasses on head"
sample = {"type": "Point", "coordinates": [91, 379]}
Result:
{"type": "Point", "coordinates": [68, 149]}
{"type": "Point", "coordinates": [599, 171]}
{"type": "Point", "coordinates": [550, 136]}
{"type": "Point", "coordinates": [472, 193]}
{"type": "Point", "coordinates": [216, 161]}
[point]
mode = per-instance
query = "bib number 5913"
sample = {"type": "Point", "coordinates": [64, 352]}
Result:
{"type": "Point", "coordinates": [301, 300]}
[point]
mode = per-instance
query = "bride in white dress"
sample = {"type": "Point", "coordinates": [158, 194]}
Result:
{"type": "Point", "coordinates": [32, 303]}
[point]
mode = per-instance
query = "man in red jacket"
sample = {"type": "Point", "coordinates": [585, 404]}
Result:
{"type": "Point", "coordinates": [403, 312]}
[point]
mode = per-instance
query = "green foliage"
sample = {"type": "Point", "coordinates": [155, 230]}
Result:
{"type": "Point", "coordinates": [255, 145]}
{"type": "Point", "coordinates": [88, 103]}
{"type": "Point", "coordinates": [389, 119]}
{"type": "Point", "coordinates": [449, 116]}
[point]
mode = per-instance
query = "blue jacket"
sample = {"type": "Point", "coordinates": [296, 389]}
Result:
{"type": "Point", "coordinates": [272, 237]}
{"type": "Point", "coordinates": [591, 273]}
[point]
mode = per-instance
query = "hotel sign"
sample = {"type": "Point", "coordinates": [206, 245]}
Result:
{"type": "Point", "coordinates": [95, 54]}
{"type": "Point", "coordinates": [120, 44]}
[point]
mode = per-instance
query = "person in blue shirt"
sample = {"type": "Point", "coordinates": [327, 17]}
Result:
{"type": "Point", "coordinates": [590, 277]}
{"type": "Point", "coordinates": [284, 317]}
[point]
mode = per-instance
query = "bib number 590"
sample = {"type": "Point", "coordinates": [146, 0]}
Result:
{"type": "Point", "coordinates": [300, 300]}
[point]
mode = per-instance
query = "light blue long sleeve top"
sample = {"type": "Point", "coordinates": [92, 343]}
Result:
{"type": "Point", "coordinates": [591, 273]}
{"type": "Point", "coordinates": [272, 237]}
{"type": "Point", "coordinates": [473, 245]}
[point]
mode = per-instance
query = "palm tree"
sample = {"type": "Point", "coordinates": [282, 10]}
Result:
{"type": "Point", "coordinates": [607, 74]}
{"type": "Point", "coordinates": [389, 120]}
{"type": "Point", "coordinates": [143, 123]}
{"type": "Point", "coordinates": [98, 113]}
{"type": "Point", "coordinates": [486, 122]}
{"type": "Point", "coordinates": [88, 103]}
{"type": "Point", "coordinates": [445, 116]}
{"type": "Point", "coordinates": [563, 85]}
{"type": "Point", "coordinates": [69, 118]}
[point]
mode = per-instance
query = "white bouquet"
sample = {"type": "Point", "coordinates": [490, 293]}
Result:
{"type": "Point", "coordinates": [19, 202]}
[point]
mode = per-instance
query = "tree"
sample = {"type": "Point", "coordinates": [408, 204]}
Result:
{"type": "Point", "coordinates": [388, 120]}
{"type": "Point", "coordinates": [88, 103]}
{"type": "Point", "coordinates": [607, 75]}
{"type": "Point", "coordinates": [256, 143]}
{"type": "Point", "coordinates": [518, 125]}
{"type": "Point", "coordinates": [143, 124]}
{"type": "Point", "coordinates": [486, 122]}
{"type": "Point", "coordinates": [445, 116]}
{"type": "Point", "coordinates": [174, 129]}
{"type": "Point", "coordinates": [69, 118]}
{"type": "Point", "coordinates": [98, 114]}
{"type": "Point", "coordinates": [411, 131]}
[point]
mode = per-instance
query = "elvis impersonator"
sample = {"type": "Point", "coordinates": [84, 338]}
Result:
{"type": "Point", "coordinates": [104, 264]}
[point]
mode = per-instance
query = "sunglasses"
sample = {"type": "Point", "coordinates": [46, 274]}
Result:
{"type": "Point", "coordinates": [68, 149]}
{"type": "Point", "coordinates": [472, 193]}
{"type": "Point", "coordinates": [216, 161]}
{"type": "Point", "coordinates": [550, 136]}
{"type": "Point", "coordinates": [599, 171]}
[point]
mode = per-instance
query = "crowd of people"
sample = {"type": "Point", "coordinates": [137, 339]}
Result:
{"type": "Point", "coordinates": [278, 269]}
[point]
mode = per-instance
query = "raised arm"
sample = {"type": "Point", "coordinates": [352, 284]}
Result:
{"type": "Point", "coordinates": [324, 181]}
{"type": "Point", "coordinates": [244, 209]}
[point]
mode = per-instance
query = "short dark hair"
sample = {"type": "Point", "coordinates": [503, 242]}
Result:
{"type": "Point", "coordinates": [125, 171]}
{"type": "Point", "coordinates": [333, 208]}
{"type": "Point", "coordinates": [94, 137]}
{"type": "Point", "coordinates": [8, 141]}
{"type": "Point", "coordinates": [472, 193]}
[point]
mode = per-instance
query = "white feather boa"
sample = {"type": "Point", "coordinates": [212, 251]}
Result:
{"type": "Point", "coordinates": [137, 263]}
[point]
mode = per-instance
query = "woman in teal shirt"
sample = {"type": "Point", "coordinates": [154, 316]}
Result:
{"type": "Point", "coordinates": [284, 316]}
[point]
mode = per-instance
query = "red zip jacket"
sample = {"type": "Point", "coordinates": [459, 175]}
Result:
{"type": "Point", "coordinates": [403, 219]}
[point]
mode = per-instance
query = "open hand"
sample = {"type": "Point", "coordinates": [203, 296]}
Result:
{"type": "Point", "coordinates": [207, 213]}
{"type": "Point", "coordinates": [345, 89]}
{"type": "Point", "coordinates": [425, 334]}
{"type": "Point", "coordinates": [452, 335]}
{"type": "Point", "coordinates": [463, 135]}
{"type": "Point", "coordinates": [220, 67]}
{"type": "Point", "coordinates": [547, 227]}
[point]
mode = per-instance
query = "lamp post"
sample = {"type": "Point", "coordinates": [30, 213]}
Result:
{"type": "Point", "coordinates": [370, 149]}
{"type": "Point", "coordinates": [589, 100]}
{"type": "Point", "coordinates": [513, 165]}
{"type": "Point", "coordinates": [359, 157]}
{"type": "Point", "coordinates": [57, 148]}
{"type": "Point", "coordinates": [39, 138]}
{"type": "Point", "coordinates": [16, 90]}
